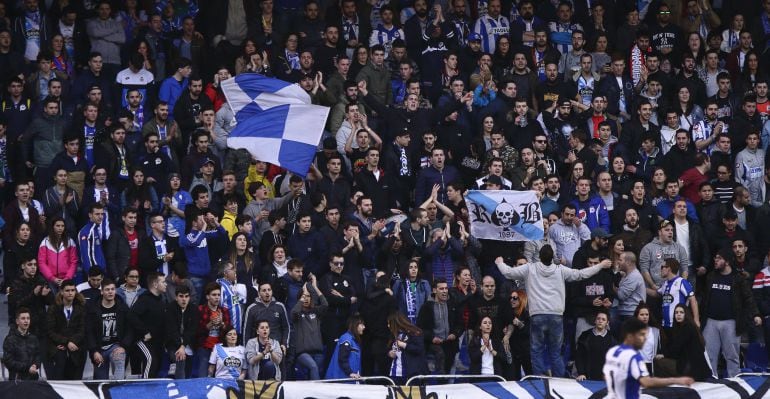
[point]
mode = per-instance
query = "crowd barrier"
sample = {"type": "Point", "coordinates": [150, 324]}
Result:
{"type": "Point", "coordinates": [747, 386]}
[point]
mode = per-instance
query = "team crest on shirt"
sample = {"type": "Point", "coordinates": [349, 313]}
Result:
{"type": "Point", "coordinates": [277, 315]}
{"type": "Point", "coordinates": [658, 255]}
{"type": "Point", "coordinates": [345, 283]}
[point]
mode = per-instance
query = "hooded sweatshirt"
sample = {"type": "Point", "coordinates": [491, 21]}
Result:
{"type": "Point", "coordinates": [546, 284]}
{"type": "Point", "coordinates": [653, 255]}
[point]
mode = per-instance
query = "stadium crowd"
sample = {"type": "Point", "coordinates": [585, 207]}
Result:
{"type": "Point", "coordinates": [136, 240]}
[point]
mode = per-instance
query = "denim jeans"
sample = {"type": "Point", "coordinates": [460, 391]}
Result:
{"type": "Point", "coordinates": [547, 337]}
{"type": "Point", "coordinates": [117, 360]}
{"type": "Point", "coordinates": [198, 283]}
{"type": "Point", "coordinates": [313, 362]}
{"type": "Point", "coordinates": [203, 355]}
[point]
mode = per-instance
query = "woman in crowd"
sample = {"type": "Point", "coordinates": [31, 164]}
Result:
{"type": "Point", "coordinates": [57, 256]}
{"type": "Point", "coordinates": [278, 263]}
{"type": "Point", "coordinates": [61, 60]}
{"type": "Point", "coordinates": [264, 354]}
{"type": "Point", "coordinates": [407, 349]}
{"type": "Point", "coordinates": [142, 47]}
{"type": "Point", "coordinates": [242, 256]}
{"type": "Point", "coordinates": [658, 186]}
{"type": "Point", "coordinates": [62, 201]}
{"type": "Point", "coordinates": [516, 339]}
{"type": "Point", "coordinates": [622, 181]}
{"type": "Point", "coordinates": [20, 248]}
{"type": "Point", "coordinates": [175, 204]}
{"type": "Point", "coordinates": [685, 345]}
{"type": "Point", "coordinates": [750, 73]}
{"type": "Point", "coordinates": [360, 59]}
{"type": "Point", "coordinates": [486, 352]}
{"type": "Point", "coordinates": [248, 48]}
{"type": "Point", "coordinates": [287, 61]}
{"type": "Point", "coordinates": [600, 54]}
{"type": "Point", "coordinates": [689, 112]}
{"type": "Point", "coordinates": [228, 359]}
{"type": "Point", "coordinates": [411, 291]}
{"type": "Point", "coordinates": [141, 196]}
{"type": "Point", "coordinates": [697, 48]}
{"type": "Point", "coordinates": [346, 359]}
{"type": "Point", "coordinates": [653, 343]}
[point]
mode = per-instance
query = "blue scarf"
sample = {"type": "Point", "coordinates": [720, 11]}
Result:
{"type": "Point", "coordinates": [90, 138]}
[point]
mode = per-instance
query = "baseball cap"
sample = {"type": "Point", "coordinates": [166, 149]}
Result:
{"type": "Point", "coordinates": [599, 232]}
{"type": "Point", "coordinates": [205, 161]}
{"type": "Point", "coordinates": [474, 37]}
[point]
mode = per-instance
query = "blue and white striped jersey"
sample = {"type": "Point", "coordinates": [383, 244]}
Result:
{"type": "Point", "coordinates": [490, 29]}
{"type": "Point", "coordinates": [673, 292]}
{"type": "Point", "coordinates": [623, 367]}
{"type": "Point", "coordinates": [385, 37]}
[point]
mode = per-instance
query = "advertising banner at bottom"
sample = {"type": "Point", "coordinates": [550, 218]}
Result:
{"type": "Point", "coordinates": [744, 387]}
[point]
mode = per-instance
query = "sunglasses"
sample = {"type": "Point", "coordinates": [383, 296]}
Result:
{"type": "Point", "coordinates": [514, 298]}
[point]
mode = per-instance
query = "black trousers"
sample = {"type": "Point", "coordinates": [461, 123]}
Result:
{"type": "Point", "coordinates": [152, 357]}
{"type": "Point", "coordinates": [66, 365]}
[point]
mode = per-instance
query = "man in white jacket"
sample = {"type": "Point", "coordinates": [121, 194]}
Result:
{"type": "Point", "coordinates": [546, 288]}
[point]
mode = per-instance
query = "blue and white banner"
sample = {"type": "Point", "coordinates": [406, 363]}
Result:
{"type": "Point", "coordinates": [744, 387]}
{"type": "Point", "coordinates": [505, 215]}
{"type": "Point", "coordinates": [276, 121]}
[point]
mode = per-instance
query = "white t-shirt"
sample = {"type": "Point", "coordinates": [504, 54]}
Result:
{"type": "Point", "coordinates": [683, 236]}
{"type": "Point", "coordinates": [229, 361]}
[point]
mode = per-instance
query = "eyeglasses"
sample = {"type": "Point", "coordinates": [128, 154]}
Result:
{"type": "Point", "coordinates": [514, 298]}
{"type": "Point", "coordinates": [664, 12]}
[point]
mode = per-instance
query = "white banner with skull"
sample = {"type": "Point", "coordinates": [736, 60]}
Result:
{"type": "Point", "coordinates": [505, 215]}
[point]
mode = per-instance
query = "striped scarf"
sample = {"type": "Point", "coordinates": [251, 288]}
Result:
{"type": "Point", "coordinates": [231, 302]}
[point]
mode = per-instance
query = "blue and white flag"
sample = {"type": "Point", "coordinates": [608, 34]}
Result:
{"type": "Point", "coordinates": [276, 121]}
{"type": "Point", "coordinates": [505, 215]}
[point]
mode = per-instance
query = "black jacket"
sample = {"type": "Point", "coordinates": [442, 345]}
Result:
{"type": "Point", "coordinates": [61, 331]}
{"type": "Point", "coordinates": [20, 352]}
{"type": "Point", "coordinates": [591, 349]}
{"type": "Point", "coordinates": [699, 249]}
{"type": "Point", "coordinates": [474, 351]}
{"type": "Point", "coordinates": [23, 295]}
{"type": "Point", "coordinates": [609, 87]}
{"type": "Point", "coordinates": [181, 327]}
{"type": "Point", "coordinates": [426, 321]}
{"type": "Point", "coordinates": [95, 331]}
{"type": "Point", "coordinates": [149, 316]}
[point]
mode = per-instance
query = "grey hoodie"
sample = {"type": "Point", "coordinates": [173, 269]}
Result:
{"type": "Point", "coordinates": [567, 239]}
{"type": "Point", "coordinates": [546, 284]}
{"type": "Point", "coordinates": [653, 255]}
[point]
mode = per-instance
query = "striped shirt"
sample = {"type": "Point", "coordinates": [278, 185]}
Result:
{"type": "Point", "coordinates": [674, 292]}
{"type": "Point", "coordinates": [490, 29]}
{"type": "Point", "coordinates": [385, 37]}
{"type": "Point", "coordinates": [623, 367]}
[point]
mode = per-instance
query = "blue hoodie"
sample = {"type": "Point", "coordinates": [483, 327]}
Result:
{"type": "Point", "coordinates": [666, 207]}
{"type": "Point", "coordinates": [196, 250]}
{"type": "Point", "coordinates": [593, 212]}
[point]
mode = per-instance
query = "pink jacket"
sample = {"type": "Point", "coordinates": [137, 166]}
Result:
{"type": "Point", "coordinates": [57, 263]}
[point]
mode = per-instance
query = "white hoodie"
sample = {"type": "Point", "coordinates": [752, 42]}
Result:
{"type": "Point", "coordinates": [546, 289]}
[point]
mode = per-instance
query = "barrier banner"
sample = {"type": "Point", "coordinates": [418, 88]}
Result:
{"type": "Point", "coordinates": [505, 215]}
{"type": "Point", "coordinates": [745, 387]}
